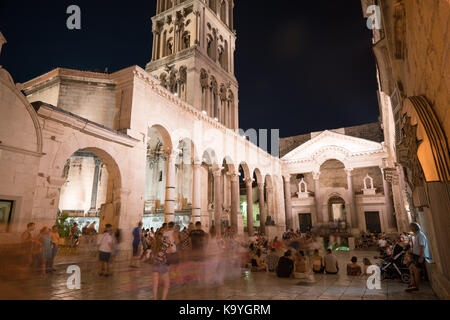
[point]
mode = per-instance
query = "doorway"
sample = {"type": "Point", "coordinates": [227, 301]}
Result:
{"type": "Point", "coordinates": [6, 209]}
{"type": "Point", "coordinates": [373, 223]}
{"type": "Point", "coordinates": [305, 222]}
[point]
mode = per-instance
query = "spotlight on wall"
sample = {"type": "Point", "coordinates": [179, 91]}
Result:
{"type": "Point", "coordinates": [175, 94]}
{"type": "Point", "coordinates": [216, 119]}
{"type": "Point", "coordinates": [204, 112]}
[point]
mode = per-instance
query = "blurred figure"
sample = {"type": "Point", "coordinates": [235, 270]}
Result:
{"type": "Point", "coordinates": [74, 234]}
{"type": "Point", "coordinates": [160, 268]}
{"type": "Point", "coordinates": [257, 265]}
{"type": "Point", "coordinates": [317, 262]}
{"type": "Point", "coordinates": [366, 265]}
{"type": "Point", "coordinates": [106, 243]}
{"type": "Point", "coordinates": [171, 236]}
{"type": "Point", "coordinates": [285, 266]}
{"type": "Point", "coordinates": [330, 262]}
{"type": "Point", "coordinates": [46, 245]}
{"type": "Point", "coordinates": [137, 241]}
{"type": "Point", "coordinates": [353, 268]}
{"type": "Point", "coordinates": [28, 242]}
{"type": "Point", "coordinates": [198, 240]}
{"type": "Point", "coordinates": [55, 243]}
{"type": "Point", "coordinates": [272, 260]}
{"type": "Point", "coordinates": [420, 253]}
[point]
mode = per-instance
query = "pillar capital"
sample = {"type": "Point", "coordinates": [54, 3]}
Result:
{"type": "Point", "coordinates": [217, 172]}
{"type": "Point", "coordinates": [261, 185]}
{"type": "Point", "coordinates": [234, 176]}
{"type": "Point", "coordinates": [316, 175]}
{"type": "Point", "coordinates": [249, 181]}
{"type": "Point", "coordinates": [349, 171]}
{"type": "Point", "coordinates": [287, 177]}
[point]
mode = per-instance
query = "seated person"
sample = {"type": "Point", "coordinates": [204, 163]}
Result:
{"type": "Point", "coordinates": [354, 269]}
{"type": "Point", "coordinates": [257, 265]}
{"type": "Point", "coordinates": [272, 260]}
{"type": "Point", "coordinates": [300, 265]}
{"type": "Point", "coordinates": [366, 265]}
{"type": "Point", "coordinates": [317, 261]}
{"type": "Point", "coordinates": [285, 265]}
{"type": "Point", "coordinates": [330, 262]}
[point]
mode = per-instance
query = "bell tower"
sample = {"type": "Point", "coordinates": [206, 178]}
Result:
{"type": "Point", "coordinates": [193, 55]}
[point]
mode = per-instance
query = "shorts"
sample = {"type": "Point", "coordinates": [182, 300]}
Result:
{"type": "Point", "coordinates": [160, 268]}
{"type": "Point", "coordinates": [135, 251]}
{"type": "Point", "coordinates": [172, 258]}
{"type": "Point", "coordinates": [415, 261]}
{"type": "Point", "coordinates": [104, 256]}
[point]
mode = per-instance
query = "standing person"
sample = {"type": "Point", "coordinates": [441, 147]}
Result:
{"type": "Point", "coordinates": [46, 243]}
{"type": "Point", "coordinates": [55, 242]}
{"type": "Point", "coordinates": [28, 242]}
{"type": "Point", "coordinates": [160, 268]}
{"type": "Point", "coordinates": [331, 263]}
{"type": "Point", "coordinates": [171, 236]}
{"type": "Point", "coordinates": [137, 240]}
{"type": "Point", "coordinates": [74, 234]}
{"type": "Point", "coordinates": [420, 254]}
{"type": "Point", "coordinates": [198, 239]}
{"type": "Point", "coordinates": [107, 244]}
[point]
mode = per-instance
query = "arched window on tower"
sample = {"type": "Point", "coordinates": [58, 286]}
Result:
{"type": "Point", "coordinates": [204, 77]}
{"type": "Point", "coordinates": [223, 12]}
{"type": "Point", "coordinates": [169, 47]}
{"type": "Point", "coordinates": [210, 48]}
{"type": "Point", "coordinates": [230, 109]}
{"type": "Point", "coordinates": [213, 5]}
{"type": "Point", "coordinates": [223, 56]}
{"type": "Point", "coordinates": [186, 41]}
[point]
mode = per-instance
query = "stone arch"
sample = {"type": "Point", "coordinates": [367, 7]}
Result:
{"type": "Point", "coordinates": [330, 153]}
{"type": "Point", "coordinates": [432, 150]}
{"type": "Point", "coordinates": [112, 208]}
{"type": "Point", "coordinates": [210, 158]}
{"type": "Point", "coordinates": [258, 175]}
{"type": "Point", "coordinates": [246, 170]}
{"type": "Point", "coordinates": [165, 135]}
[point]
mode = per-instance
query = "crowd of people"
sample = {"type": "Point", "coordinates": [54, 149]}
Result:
{"type": "Point", "coordinates": [213, 257]}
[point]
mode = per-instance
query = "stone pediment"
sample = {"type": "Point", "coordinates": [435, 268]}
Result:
{"type": "Point", "coordinates": [329, 142]}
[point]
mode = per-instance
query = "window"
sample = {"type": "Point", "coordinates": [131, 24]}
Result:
{"type": "Point", "coordinates": [6, 208]}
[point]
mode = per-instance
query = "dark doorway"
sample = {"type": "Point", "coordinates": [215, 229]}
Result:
{"type": "Point", "coordinates": [6, 209]}
{"type": "Point", "coordinates": [373, 223]}
{"type": "Point", "coordinates": [305, 222]}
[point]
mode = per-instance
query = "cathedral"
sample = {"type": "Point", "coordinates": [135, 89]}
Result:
{"type": "Point", "coordinates": [163, 144]}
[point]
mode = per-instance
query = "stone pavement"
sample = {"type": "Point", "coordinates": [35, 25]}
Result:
{"type": "Point", "coordinates": [136, 284]}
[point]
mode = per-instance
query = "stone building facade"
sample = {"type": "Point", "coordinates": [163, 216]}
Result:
{"type": "Point", "coordinates": [337, 176]}
{"type": "Point", "coordinates": [411, 50]}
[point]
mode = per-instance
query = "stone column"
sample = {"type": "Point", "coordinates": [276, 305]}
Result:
{"type": "Point", "coordinates": [169, 208]}
{"type": "Point", "coordinates": [319, 214]}
{"type": "Point", "coordinates": [351, 194]}
{"type": "Point", "coordinates": [249, 185]}
{"type": "Point", "coordinates": [95, 184]}
{"type": "Point", "coordinates": [262, 209]}
{"type": "Point", "coordinates": [217, 199]}
{"type": "Point", "coordinates": [269, 198]}
{"type": "Point", "coordinates": [235, 197]}
{"type": "Point", "coordinates": [388, 203]}
{"type": "Point", "coordinates": [287, 202]}
{"type": "Point", "coordinates": [196, 192]}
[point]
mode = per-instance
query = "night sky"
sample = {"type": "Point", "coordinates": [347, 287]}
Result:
{"type": "Point", "coordinates": [302, 66]}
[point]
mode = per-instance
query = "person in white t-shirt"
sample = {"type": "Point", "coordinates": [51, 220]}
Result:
{"type": "Point", "coordinates": [106, 245]}
{"type": "Point", "coordinates": [172, 238]}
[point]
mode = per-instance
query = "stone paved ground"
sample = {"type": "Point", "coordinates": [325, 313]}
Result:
{"type": "Point", "coordinates": [136, 284]}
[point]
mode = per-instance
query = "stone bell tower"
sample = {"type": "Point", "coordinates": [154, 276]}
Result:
{"type": "Point", "coordinates": [193, 55]}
